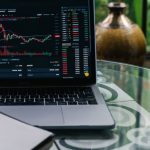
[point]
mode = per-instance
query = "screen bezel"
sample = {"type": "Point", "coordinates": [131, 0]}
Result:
{"type": "Point", "coordinates": [57, 81]}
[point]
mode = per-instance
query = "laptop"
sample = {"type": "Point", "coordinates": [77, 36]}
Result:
{"type": "Point", "coordinates": [48, 64]}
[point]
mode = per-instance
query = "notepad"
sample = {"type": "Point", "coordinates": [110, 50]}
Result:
{"type": "Point", "coordinates": [16, 135]}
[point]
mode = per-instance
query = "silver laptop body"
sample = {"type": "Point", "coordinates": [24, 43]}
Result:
{"type": "Point", "coordinates": [49, 44]}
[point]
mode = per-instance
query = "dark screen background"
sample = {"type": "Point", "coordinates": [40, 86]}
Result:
{"type": "Point", "coordinates": [44, 39]}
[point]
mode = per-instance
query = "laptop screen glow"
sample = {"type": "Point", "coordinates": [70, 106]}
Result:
{"type": "Point", "coordinates": [45, 39]}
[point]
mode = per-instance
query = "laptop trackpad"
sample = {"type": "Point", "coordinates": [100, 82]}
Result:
{"type": "Point", "coordinates": [83, 115]}
{"type": "Point", "coordinates": [37, 115]}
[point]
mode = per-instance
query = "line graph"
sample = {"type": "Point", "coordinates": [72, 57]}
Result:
{"type": "Point", "coordinates": [9, 35]}
{"type": "Point", "coordinates": [7, 38]}
{"type": "Point", "coordinates": [29, 34]}
{"type": "Point", "coordinates": [25, 44]}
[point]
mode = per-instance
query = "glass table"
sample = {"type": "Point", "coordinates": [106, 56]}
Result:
{"type": "Point", "coordinates": [126, 90]}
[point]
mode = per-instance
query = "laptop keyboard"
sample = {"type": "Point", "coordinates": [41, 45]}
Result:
{"type": "Point", "coordinates": [47, 96]}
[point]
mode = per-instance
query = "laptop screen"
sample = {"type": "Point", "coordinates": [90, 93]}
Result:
{"type": "Point", "coordinates": [45, 39]}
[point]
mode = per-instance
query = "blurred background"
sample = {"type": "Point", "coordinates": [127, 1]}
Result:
{"type": "Point", "coordinates": [138, 11]}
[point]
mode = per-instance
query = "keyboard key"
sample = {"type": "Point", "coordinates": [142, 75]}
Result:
{"type": "Point", "coordinates": [59, 99]}
{"type": "Point", "coordinates": [82, 103]}
{"type": "Point", "coordinates": [62, 103]}
{"type": "Point", "coordinates": [72, 103]}
{"type": "Point", "coordinates": [92, 102]}
{"type": "Point", "coordinates": [50, 103]}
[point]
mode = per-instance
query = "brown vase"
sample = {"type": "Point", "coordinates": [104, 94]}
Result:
{"type": "Point", "coordinates": [118, 38]}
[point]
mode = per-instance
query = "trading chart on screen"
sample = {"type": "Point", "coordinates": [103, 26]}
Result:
{"type": "Point", "coordinates": [48, 40]}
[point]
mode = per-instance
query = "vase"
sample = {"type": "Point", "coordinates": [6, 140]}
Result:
{"type": "Point", "coordinates": [118, 38]}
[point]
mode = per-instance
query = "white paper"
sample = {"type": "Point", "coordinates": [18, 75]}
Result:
{"type": "Point", "coordinates": [16, 135]}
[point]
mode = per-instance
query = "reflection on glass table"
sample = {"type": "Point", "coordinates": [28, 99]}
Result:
{"type": "Point", "coordinates": [126, 89]}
